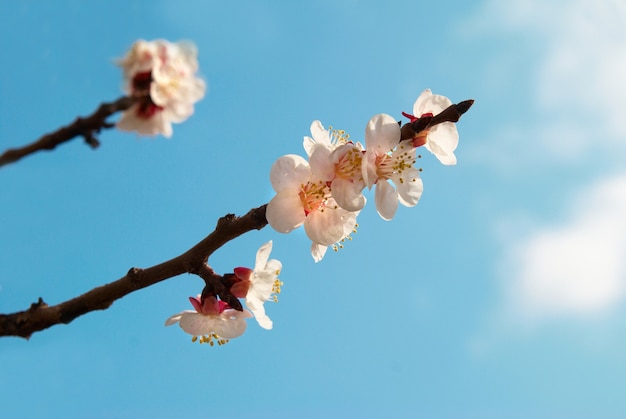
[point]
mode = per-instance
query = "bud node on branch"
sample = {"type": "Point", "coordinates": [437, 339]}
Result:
{"type": "Point", "coordinates": [134, 275]}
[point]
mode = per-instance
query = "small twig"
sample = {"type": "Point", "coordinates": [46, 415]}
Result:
{"type": "Point", "coordinates": [40, 316]}
{"type": "Point", "coordinates": [86, 127]}
{"type": "Point", "coordinates": [214, 286]}
{"type": "Point", "coordinates": [451, 114]}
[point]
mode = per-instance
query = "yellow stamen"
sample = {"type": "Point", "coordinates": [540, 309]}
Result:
{"type": "Point", "coordinates": [211, 339]}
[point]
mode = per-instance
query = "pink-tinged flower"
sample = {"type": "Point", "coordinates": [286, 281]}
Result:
{"type": "Point", "coordinates": [338, 161]}
{"type": "Point", "coordinates": [301, 198]}
{"type": "Point", "coordinates": [259, 285]}
{"type": "Point", "coordinates": [387, 159]}
{"type": "Point", "coordinates": [441, 139]}
{"type": "Point", "coordinates": [165, 71]}
{"type": "Point", "coordinates": [212, 319]}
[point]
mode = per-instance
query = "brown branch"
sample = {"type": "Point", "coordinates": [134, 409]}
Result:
{"type": "Point", "coordinates": [86, 127]}
{"type": "Point", "coordinates": [451, 114]}
{"type": "Point", "coordinates": [40, 316]}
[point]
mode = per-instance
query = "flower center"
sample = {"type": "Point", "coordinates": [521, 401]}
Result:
{"type": "Point", "coordinates": [314, 196]}
{"type": "Point", "coordinates": [146, 108]}
{"type": "Point", "coordinates": [398, 161]}
{"type": "Point", "coordinates": [141, 81]}
{"type": "Point", "coordinates": [349, 165]}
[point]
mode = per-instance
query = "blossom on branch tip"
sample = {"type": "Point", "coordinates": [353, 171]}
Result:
{"type": "Point", "coordinates": [260, 284]}
{"type": "Point", "coordinates": [212, 320]}
{"type": "Point", "coordinates": [387, 159]}
{"type": "Point", "coordinates": [165, 72]}
{"type": "Point", "coordinates": [441, 139]}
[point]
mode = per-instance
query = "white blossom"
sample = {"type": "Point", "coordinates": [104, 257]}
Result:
{"type": "Point", "coordinates": [212, 319]}
{"type": "Point", "coordinates": [387, 159]}
{"type": "Point", "coordinates": [165, 71]}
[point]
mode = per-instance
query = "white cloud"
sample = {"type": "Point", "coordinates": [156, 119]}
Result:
{"type": "Point", "coordinates": [571, 62]}
{"type": "Point", "coordinates": [585, 66]}
{"type": "Point", "coordinates": [577, 268]}
{"type": "Point", "coordinates": [578, 94]}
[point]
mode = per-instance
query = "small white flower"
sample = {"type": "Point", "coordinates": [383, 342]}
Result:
{"type": "Point", "coordinates": [261, 284]}
{"type": "Point", "coordinates": [387, 159]}
{"type": "Point", "coordinates": [212, 319]}
{"type": "Point", "coordinates": [442, 139]}
{"type": "Point", "coordinates": [166, 71]}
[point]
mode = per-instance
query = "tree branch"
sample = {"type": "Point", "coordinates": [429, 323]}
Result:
{"type": "Point", "coordinates": [86, 127]}
{"type": "Point", "coordinates": [40, 316]}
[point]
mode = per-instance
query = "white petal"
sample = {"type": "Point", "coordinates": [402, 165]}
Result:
{"type": "Point", "coordinates": [289, 172]}
{"type": "Point", "coordinates": [382, 133]}
{"type": "Point", "coordinates": [386, 200]}
{"type": "Point", "coordinates": [318, 251]}
{"type": "Point", "coordinates": [322, 167]}
{"type": "Point", "coordinates": [273, 265]}
{"type": "Point", "coordinates": [157, 124]}
{"type": "Point", "coordinates": [442, 141]}
{"type": "Point", "coordinates": [349, 222]}
{"type": "Point", "coordinates": [258, 310]}
{"type": "Point", "coordinates": [319, 133]}
{"type": "Point", "coordinates": [232, 327]}
{"type": "Point", "coordinates": [410, 190]}
{"type": "Point", "coordinates": [264, 321]}
{"type": "Point", "coordinates": [175, 318]}
{"type": "Point", "coordinates": [348, 194]}
{"type": "Point", "coordinates": [262, 285]}
{"type": "Point", "coordinates": [325, 227]}
{"type": "Point", "coordinates": [308, 143]}
{"type": "Point", "coordinates": [368, 168]}
{"type": "Point", "coordinates": [429, 103]}
{"type": "Point", "coordinates": [178, 111]}
{"type": "Point", "coordinates": [198, 324]}
{"type": "Point", "coordinates": [285, 212]}
{"type": "Point", "coordinates": [262, 255]}
{"type": "Point", "coordinates": [320, 136]}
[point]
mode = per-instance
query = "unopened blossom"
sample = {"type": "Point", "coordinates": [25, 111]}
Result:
{"type": "Point", "coordinates": [387, 159]}
{"type": "Point", "coordinates": [441, 139]}
{"type": "Point", "coordinates": [212, 319]}
{"type": "Point", "coordinates": [301, 198]}
{"type": "Point", "coordinates": [166, 72]}
{"type": "Point", "coordinates": [260, 284]}
{"type": "Point", "coordinates": [336, 159]}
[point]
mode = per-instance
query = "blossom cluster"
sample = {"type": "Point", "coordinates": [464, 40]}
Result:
{"type": "Point", "coordinates": [161, 75]}
{"type": "Point", "coordinates": [214, 320]}
{"type": "Point", "coordinates": [325, 192]}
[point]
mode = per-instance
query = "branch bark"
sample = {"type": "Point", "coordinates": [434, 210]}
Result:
{"type": "Point", "coordinates": [86, 127]}
{"type": "Point", "coordinates": [40, 316]}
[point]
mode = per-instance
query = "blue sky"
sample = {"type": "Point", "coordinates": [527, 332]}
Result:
{"type": "Point", "coordinates": [501, 294]}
